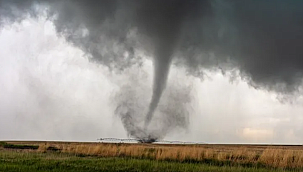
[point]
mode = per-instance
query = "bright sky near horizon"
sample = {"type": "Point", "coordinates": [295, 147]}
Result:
{"type": "Point", "coordinates": [50, 91]}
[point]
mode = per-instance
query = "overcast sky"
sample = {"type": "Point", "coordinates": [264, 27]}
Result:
{"type": "Point", "coordinates": [50, 91]}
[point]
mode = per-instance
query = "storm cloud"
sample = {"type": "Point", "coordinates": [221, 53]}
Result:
{"type": "Point", "coordinates": [261, 38]}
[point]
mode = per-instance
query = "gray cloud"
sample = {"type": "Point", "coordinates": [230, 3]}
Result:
{"type": "Point", "coordinates": [261, 38]}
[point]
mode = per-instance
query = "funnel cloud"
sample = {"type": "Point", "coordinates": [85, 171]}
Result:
{"type": "Point", "coordinates": [263, 39]}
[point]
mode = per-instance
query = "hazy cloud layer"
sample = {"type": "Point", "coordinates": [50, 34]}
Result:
{"type": "Point", "coordinates": [262, 39]}
{"type": "Point", "coordinates": [50, 91]}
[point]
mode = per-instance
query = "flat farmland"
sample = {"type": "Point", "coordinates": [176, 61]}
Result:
{"type": "Point", "coordinates": [94, 156]}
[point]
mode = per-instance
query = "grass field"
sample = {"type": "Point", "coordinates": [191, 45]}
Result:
{"type": "Point", "coordinates": [63, 156]}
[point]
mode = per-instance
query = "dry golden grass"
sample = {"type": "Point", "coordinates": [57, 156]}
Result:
{"type": "Point", "coordinates": [271, 156]}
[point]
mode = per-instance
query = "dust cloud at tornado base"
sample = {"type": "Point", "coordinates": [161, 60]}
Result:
{"type": "Point", "coordinates": [173, 111]}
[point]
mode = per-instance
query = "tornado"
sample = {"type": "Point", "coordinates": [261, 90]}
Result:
{"type": "Point", "coordinates": [161, 22]}
{"type": "Point", "coordinates": [161, 70]}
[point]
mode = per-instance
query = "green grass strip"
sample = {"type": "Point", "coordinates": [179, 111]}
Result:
{"type": "Point", "coordinates": [12, 161]}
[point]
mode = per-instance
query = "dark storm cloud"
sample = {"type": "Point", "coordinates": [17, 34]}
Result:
{"type": "Point", "coordinates": [264, 39]}
{"type": "Point", "coordinates": [261, 38]}
{"type": "Point", "coordinates": [271, 43]}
